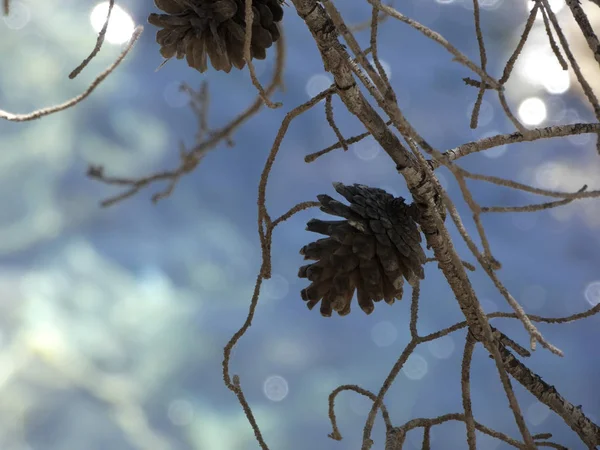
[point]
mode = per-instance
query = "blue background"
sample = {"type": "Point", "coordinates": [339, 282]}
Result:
{"type": "Point", "coordinates": [113, 320]}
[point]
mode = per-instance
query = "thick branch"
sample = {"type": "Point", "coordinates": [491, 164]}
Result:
{"type": "Point", "coordinates": [418, 181]}
{"type": "Point", "coordinates": [324, 32]}
{"type": "Point", "coordinates": [549, 396]}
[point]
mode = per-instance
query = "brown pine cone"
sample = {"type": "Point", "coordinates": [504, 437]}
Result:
{"type": "Point", "coordinates": [197, 28]}
{"type": "Point", "coordinates": [372, 251]}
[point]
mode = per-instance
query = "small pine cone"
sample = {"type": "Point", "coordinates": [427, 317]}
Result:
{"type": "Point", "coordinates": [215, 28]}
{"type": "Point", "coordinates": [373, 250]}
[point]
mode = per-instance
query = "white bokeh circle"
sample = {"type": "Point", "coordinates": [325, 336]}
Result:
{"type": "Point", "coordinates": [276, 287]}
{"type": "Point", "coordinates": [592, 293]}
{"type": "Point", "coordinates": [318, 83]}
{"type": "Point", "coordinates": [120, 26]}
{"type": "Point", "coordinates": [180, 412]}
{"type": "Point", "coordinates": [18, 17]}
{"type": "Point", "coordinates": [537, 413]}
{"type": "Point", "coordinates": [442, 348]}
{"type": "Point", "coordinates": [275, 388]}
{"type": "Point", "coordinates": [532, 111]}
{"type": "Point", "coordinates": [416, 367]}
{"type": "Point", "coordinates": [384, 333]}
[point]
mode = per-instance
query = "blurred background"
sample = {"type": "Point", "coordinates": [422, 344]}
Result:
{"type": "Point", "coordinates": [113, 321]}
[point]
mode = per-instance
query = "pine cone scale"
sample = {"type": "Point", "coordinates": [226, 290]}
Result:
{"type": "Point", "coordinates": [224, 10]}
{"type": "Point", "coordinates": [220, 25]}
{"type": "Point", "coordinates": [167, 20]}
{"type": "Point", "coordinates": [169, 6]}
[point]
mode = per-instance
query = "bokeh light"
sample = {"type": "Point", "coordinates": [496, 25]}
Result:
{"type": "Point", "coordinates": [384, 333]}
{"type": "Point", "coordinates": [592, 293]}
{"type": "Point", "coordinates": [386, 67]}
{"type": "Point", "coordinates": [540, 68]}
{"type": "Point", "coordinates": [537, 413]}
{"type": "Point", "coordinates": [19, 16]}
{"type": "Point", "coordinates": [486, 113]}
{"type": "Point", "coordinates": [494, 152]}
{"type": "Point", "coordinates": [557, 82]}
{"type": "Point", "coordinates": [442, 348]}
{"type": "Point", "coordinates": [555, 5]}
{"type": "Point", "coordinates": [174, 96]}
{"type": "Point", "coordinates": [276, 287]}
{"type": "Point", "coordinates": [275, 388]}
{"type": "Point", "coordinates": [123, 296]}
{"type": "Point", "coordinates": [532, 111]}
{"type": "Point", "coordinates": [180, 412]}
{"type": "Point", "coordinates": [416, 367]}
{"type": "Point", "coordinates": [360, 405]}
{"type": "Point", "coordinates": [120, 27]}
{"type": "Point", "coordinates": [318, 83]}
{"type": "Point", "coordinates": [366, 149]}
{"type": "Point", "coordinates": [558, 176]}
{"type": "Point", "coordinates": [488, 304]}
{"type": "Point", "coordinates": [490, 5]}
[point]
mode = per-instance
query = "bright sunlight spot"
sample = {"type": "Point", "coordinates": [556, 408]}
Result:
{"type": "Point", "coordinates": [121, 26]}
{"type": "Point", "coordinates": [532, 111]}
{"type": "Point", "coordinates": [541, 68]}
{"type": "Point", "coordinates": [555, 5]}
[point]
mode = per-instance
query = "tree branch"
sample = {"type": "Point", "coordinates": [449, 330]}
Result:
{"type": "Point", "coordinates": [420, 185]}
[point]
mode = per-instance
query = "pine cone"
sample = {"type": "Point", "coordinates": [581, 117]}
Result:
{"type": "Point", "coordinates": [372, 251]}
{"type": "Point", "coordinates": [197, 28]}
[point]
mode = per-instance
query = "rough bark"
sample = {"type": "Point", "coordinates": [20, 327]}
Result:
{"type": "Point", "coordinates": [324, 33]}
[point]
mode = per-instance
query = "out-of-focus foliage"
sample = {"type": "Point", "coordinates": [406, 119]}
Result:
{"type": "Point", "coordinates": [112, 320]}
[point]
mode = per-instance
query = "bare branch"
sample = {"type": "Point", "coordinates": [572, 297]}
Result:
{"type": "Point", "coordinates": [99, 42]}
{"type": "Point", "coordinates": [585, 27]}
{"type": "Point", "coordinates": [510, 64]}
{"type": "Point", "coordinates": [75, 100]}
{"type": "Point", "coordinates": [531, 208]}
{"type": "Point", "coordinates": [513, 138]}
{"type": "Point", "coordinates": [331, 122]}
{"type": "Point", "coordinates": [335, 433]}
{"type": "Point", "coordinates": [466, 390]}
{"type": "Point", "coordinates": [191, 158]}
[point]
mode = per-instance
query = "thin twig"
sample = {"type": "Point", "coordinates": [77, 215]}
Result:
{"type": "Point", "coordinates": [335, 433]}
{"type": "Point", "coordinates": [465, 382]}
{"type": "Point", "coordinates": [190, 159]}
{"type": "Point", "coordinates": [313, 156]}
{"type": "Point", "coordinates": [531, 208]}
{"type": "Point", "coordinates": [586, 28]}
{"type": "Point", "coordinates": [249, 18]}
{"type": "Point", "coordinates": [553, 46]}
{"type": "Point", "coordinates": [483, 58]}
{"type": "Point", "coordinates": [99, 42]}
{"type": "Point", "coordinates": [75, 100]}
{"type": "Point", "coordinates": [510, 64]}
{"type": "Point", "coordinates": [585, 86]}
{"type": "Point", "coordinates": [437, 38]}
{"type": "Point", "coordinates": [414, 311]}
{"type": "Point", "coordinates": [332, 124]}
